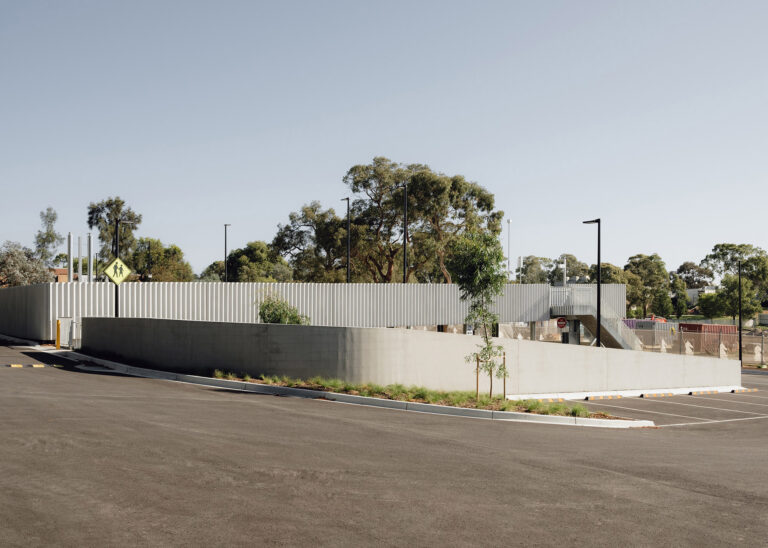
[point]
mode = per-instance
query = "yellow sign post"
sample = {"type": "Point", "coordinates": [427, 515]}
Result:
{"type": "Point", "coordinates": [117, 271]}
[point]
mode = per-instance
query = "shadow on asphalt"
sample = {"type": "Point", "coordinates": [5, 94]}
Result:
{"type": "Point", "coordinates": [65, 364]}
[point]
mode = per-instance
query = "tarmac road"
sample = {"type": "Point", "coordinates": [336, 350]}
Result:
{"type": "Point", "coordinates": [94, 460]}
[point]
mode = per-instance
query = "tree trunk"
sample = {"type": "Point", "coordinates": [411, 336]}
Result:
{"type": "Point", "coordinates": [443, 269]}
{"type": "Point", "coordinates": [477, 378]}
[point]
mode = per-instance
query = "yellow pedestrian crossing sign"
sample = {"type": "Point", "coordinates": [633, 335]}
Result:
{"type": "Point", "coordinates": [117, 271]}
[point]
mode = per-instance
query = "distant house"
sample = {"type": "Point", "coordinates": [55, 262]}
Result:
{"type": "Point", "coordinates": [60, 275]}
{"type": "Point", "coordinates": [694, 294]}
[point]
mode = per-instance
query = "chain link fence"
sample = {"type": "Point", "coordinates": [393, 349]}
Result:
{"type": "Point", "coordinates": [718, 345]}
{"type": "Point", "coordinates": [669, 341]}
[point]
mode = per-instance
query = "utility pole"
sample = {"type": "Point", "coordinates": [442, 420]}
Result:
{"type": "Point", "coordinates": [225, 251]}
{"type": "Point", "coordinates": [349, 241]}
{"type": "Point", "coordinates": [117, 256]}
{"type": "Point", "coordinates": [741, 363]}
{"type": "Point", "coordinates": [509, 255]}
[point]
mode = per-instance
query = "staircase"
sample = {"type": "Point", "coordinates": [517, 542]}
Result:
{"type": "Point", "coordinates": [580, 302]}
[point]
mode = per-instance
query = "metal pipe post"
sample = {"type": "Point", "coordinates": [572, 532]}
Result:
{"type": "Point", "coordinates": [79, 259]}
{"type": "Point", "coordinates": [69, 257]}
{"type": "Point", "coordinates": [90, 258]}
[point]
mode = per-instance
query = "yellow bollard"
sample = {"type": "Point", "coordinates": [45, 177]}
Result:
{"type": "Point", "coordinates": [58, 334]}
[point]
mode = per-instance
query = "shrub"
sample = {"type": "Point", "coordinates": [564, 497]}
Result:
{"type": "Point", "coordinates": [218, 373]}
{"type": "Point", "coordinates": [579, 411]}
{"type": "Point", "coordinates": [275, 310]}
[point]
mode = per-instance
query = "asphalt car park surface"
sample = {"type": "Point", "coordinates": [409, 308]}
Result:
{"type": "Point", "coordinates": [699, 409]}
{"type": "Point", "coordinates": [90, 459]}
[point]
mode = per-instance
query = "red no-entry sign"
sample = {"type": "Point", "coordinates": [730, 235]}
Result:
{"type": "Point", "coordinates": [562, 322]}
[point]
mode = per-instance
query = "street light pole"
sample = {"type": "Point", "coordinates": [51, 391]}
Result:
{"type": "Point", "coordinates": [117, 256]}
{"type": "Point", "coordinates": [225, 251]}
{"type": "Point", "coordinates": [599, 278]}
{"type": "Point", "coordinates": [509, 255]}
{"type": "Point", "coordinates": [349, 245]}
{"type": "Point", "coordinates": [741, 363]}
{"type": "Point", "coordinates": [405, 232]}
{"type": "Point", "coordinates": [149, 260]}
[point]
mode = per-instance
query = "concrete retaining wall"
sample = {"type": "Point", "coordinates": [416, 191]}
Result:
{"type": "Point", "coordinates": [386, 356]}
{"type": "Point", "coordinates": [25, 312]}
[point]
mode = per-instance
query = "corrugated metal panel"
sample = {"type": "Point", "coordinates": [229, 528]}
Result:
{"type": "Point", "coordinates": [576, 300]}
{"type": "Point", "coordinates": [352, 305]}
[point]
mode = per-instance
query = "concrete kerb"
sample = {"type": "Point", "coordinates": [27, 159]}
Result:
{"type": "Point", "coordinates": [507, 416]}
{"type": "Point", "coordinates": [18, 341]}
{"type": "Point", "coordinates": [573, 396]}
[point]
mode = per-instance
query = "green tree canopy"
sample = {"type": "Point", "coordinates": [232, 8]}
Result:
{"type": "Point", "coordinates": [214, 272]}
{"type": "Point", "coordinates": [680, 301]}
{"type": "Point", "coordinates": [535, 270]}
{"type": "Point", "coordinates": [755, 269]}
{"type": "Point", "coordinates": [724, 258]}
{"type": "Point", "coordinates": [653, 276]}
{"type": "Point", "coordinates": [444, 208]}
{"type": "Point", "coordinates": [315, 243]}
{"type": "Point", "coordinates": [711, 305]}
{"type": "Point", "coordinates": [695, 276]}
{"type": "Point", "coordinates": [165, 264]}
{"type": "Point", "coordinates": [729, 297]}
{"type": "Point", "coordinates": [102, 215]}
{"type": "Point", "coordinates": [47, 240]}
{"type": "Point", "coordinates": [256, 262]}
{"type": "Point", "coordinates": [378, 213]}
{"type": "Point", "coordinates": [20, 266]}
{"type": "Point", "coordinates": [661, 304]}
{"type": "Point", "coordinates": [441, 208]}
{"type": "Point", "coordinates": [609, 274]}
{"type": "Point", "coordinates": [476, 264]}
{"type": "Point", "coordinates": [573, 267]}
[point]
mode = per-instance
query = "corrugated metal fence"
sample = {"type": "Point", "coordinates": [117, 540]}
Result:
{"type": "Point", "coordinates": [577, 300]}
{"type": "Point", "coordinates": [32, 311]}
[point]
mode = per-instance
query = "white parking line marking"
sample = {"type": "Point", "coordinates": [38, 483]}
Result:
{"type": "Point", "coordinates": [649, 412]}
{"type": "Point", "coordinates": [714, 422]}
{"type": "Point", "coordinates": [751, 396]}
{"type": "Point", "coordinates": [707, 407]}
{"type": "Point", "coordinates": [729, 401]}
{"type": "Point", "coordinates": [755, 381]}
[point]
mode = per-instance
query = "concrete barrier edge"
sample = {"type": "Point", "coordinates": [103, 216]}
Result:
{"type": "Point", "coordinates": [508, 416]}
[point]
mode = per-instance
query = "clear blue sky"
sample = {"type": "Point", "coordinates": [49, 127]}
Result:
{"type": "Point", "coordinates": [651, 115]}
